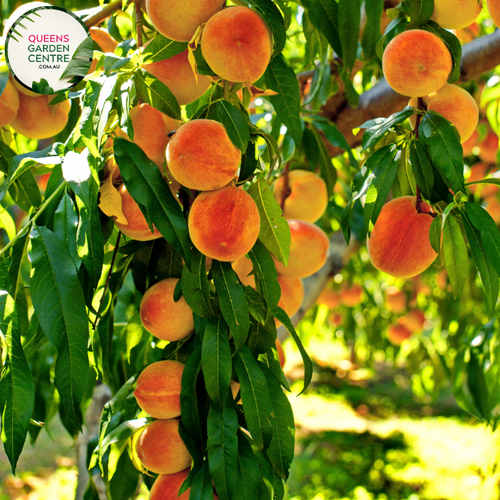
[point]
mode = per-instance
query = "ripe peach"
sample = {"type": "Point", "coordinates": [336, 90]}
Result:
{"type": "Point", "coordinates": [162, 316]}
{"type": "Point", "coordinates": [399, 244]}
{"type": "Point", "coordinates": [37, 120]}
{"type": "Point", "coordinates": [137, 227]}
{"type": "Point", "coordinates": [336, 318]}
{"type": "Point", "coordinates": [398, 333]}
{"type": "Point", "coordinates": [161, 449]}
{"type": "Point", "coordinates": [469, 144]}
{"type": "Point", "coordinates": [329, 297]}
{"type": "Point", "coordinates": [224, 224]}
{"type": "Point", "coordinates": [292, 294]}
{"type": "Point", "coordinates": [201, 156]}
{"type": "Point", "coordinates": [456, 105]}
{"type": "Point", "coordinates": [151, 129]}
{"type": "Point", "coordinates": [488, 148]}
{"type": "Point", "coordinates": [415, 320]}
{"type": "Point", "coordinates": [9, 104]}
{"type": "Point", "coordinates": [176, 73]}
{"type": "Point", "coordinates": [178, 20]}
{"type": "Point", "coordinates": [494, 10]}
{"type": "Point", "coordinates": [308, 196]}
{"type": "Point", "coordinates": [104, 40]}
{"type": "Point", "coordinates": [167, 486]}
{"type": "Point", "coordinates": [467, 34]}
{"type": "Point", "coordinates": [237, 44]}
{"type": "Point", "coordinates": [281, 353]}
{"type": "Point", "coordinates": [159, 388]}
{"type": "Point", "coordinates": [493, 208]}
{"type": "Point", "coordinates": [416, 63]}
{"type": "Point", "coordinates": [456, 14]}
{"type": "Point", "coordinates": [308, 250]}
{"type": "Point", "coordinates": [243, 267]}
{"type": "Point", "coordinates": [442, 279]}
{"type": "Point", "coordinates": [350, 296]}
{"type": "Point", "coordinates": [480, 171]}
{"type": "Point", "coordinates": [395, 300]}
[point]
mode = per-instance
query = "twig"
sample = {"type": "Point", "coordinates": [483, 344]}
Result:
{"type": "Point", "coordinates": [286, 187]}
{"type": "Point", "coordinates": [138, 22]}
{"type": "Point", "coordinates": [106, 11]}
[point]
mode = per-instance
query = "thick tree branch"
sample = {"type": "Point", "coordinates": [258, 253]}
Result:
{"type": "Point", "coordinates": [106, 11]}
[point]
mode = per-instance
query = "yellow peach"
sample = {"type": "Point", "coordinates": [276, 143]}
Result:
{"type": "Point", "coordinates": [455, 14]}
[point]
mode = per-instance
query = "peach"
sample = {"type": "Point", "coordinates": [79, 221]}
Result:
{"type": "Point", "coordinates": [176, 73]}
{"type": "Point", "coordinates": [416, 63]}
{"type": "Point", "coordinates": [493, 7]}
{"type": "Point", "coordinates": [281, 353]}
{"type": "Point", "coordinates": [398, 333]}
{"type": "Point", "coordinates": [455, 14]}
{"type": "Point", "coordinates": [167, 486]}
{"type": "Point", "coordinates": [177, 19]}
{"type": "Point", "coordinates": [201, 156]}
{"type": "Point", "coordinates": [162, 316]}
{"type": "Point", "coordinates": [493, 208]}
{"type": "Point", "coordinates": [399, 244]}
{"type": "Point", "coordinates": [395, 300]}
{"type": "Point", "coordinates": [37, 120]}
{"type": "Point", "coordinates": [159, 388]}
{"type": "Point", "coordinates": [151, 129]}
{"type": "Point", "coordinates": [442, 279]}
{"type": "Point", "coordinates": [469, 144]}
{"type": "Point", "coordinates": [104, 40]}
{"type": "Point", "coordinates": [308, 250]}
{"type": "Point", "coordinates": [336, 318]}
{"type": "Point", "coordinates": [414, 320]}
{"type": "Point", "coordinates": [478, 172]}
{"type": "Point", "coordinates": [350, 296]}
{"type": "Point", "coordinates": [9, 104]}
{"type": "Point", "coordinates": [237, 44]}
{"type": "Point", "coordinates": [308, 196]}
{"type": "Point", "coordinates": [137, 227]}
{"type": "Point", "coordinates": [243, 267]}
{"type": "Point", "coordinates": [488, 148]}
{"type": "Point", "coordinates": [329, 298]}
{"type": "Point", "coordinates": [467, 34]}
{"type": "Point", "coordinates": [456, 105]}
{"type": "Point", "coordinates": [160, 448]}
{"type": "Point", "coordinates": [292, 294]}
{"type": "Point", "coordinates": [224, 224]}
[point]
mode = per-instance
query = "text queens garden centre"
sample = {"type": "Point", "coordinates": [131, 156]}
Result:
{"type": "Point", "coordinates": [49, 48]}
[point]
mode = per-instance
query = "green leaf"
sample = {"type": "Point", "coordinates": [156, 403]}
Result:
{"type": "Point", "coordinates": [235, 122]}
{"type": "Point", "coordinates": [255, 397]}
{"type": "Point", "coordinates": [81, 60]}
{"type": "Point", "coordinates": [202, 484]}
{"type": "Point", "coordinates": [435, 234]}
{"type": "Point", "coordinates": [445, 149]}
{"type": "Point", "coordinates": [216, 360]}
{"type": "Point", "coordinates": [157, 94]}
{"type": "Point", "coordinates": [281, 78]}
{"type": "Point", "coordinates": [124, 431]}
{"type": "Point", "coordinates": [104, 107]}
{"type": "Point", "coordinates": [17, 393]}
{"type": "Point", "coordinates": [123, 484]}
{"type": "Point", "coordinates": [422, 169]}
{"type": "Point", "coordinates": [195, 286]}
{"type": "Point", "coordinates": [65, 227]}
{"type": "Point", "coordinates": [335, 137]}
{"type": "Point", "coordinates": [189, 401]}
{"type": "Point", "coordinates": [477, 384]}
{"type": "Point", "coordinates": [161, 48]}
{"type": "Point", "coordinates": [249, 477]}
{"type": "Point", "coordinates": [60, 305]}
{"type": "Point", "coordinates": [349, 14]}
{"type": "Point", "coordinates": [19, 250]}
{"type": "Point", "coordinates": [489, 276]}
{"type": "Point", "coordinates": [233, 302]}
{"type": "Point", "coordinates": [135, 334]}
{"type": "Point", "coordinates": [25, 191]}
{"type": "Point", "coordinates": [146, 185]}
{"type": "Point", "coordinates": [274, 229]}
{"type": "Point", "coordinates": [371, 30]}
{"type": "Point", "coordinates": [455, 255]}
{"type": "Point", "coordinates": [222, 445]}
{"type": "Point", "coordinates": [420, 12]}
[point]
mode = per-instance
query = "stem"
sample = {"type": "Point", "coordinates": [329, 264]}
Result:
{"type": "Point", "coordinates": [226, 89]}
{"type": "Point", "coordinates": [286, 187]}
{"type": "Point", "coordinates": [421, 105]}
{"type": "Point", "coordinates": [103, 14]}
{"type": "Point", "coordinates": [138, 22]}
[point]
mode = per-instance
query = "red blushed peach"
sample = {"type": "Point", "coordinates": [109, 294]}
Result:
{"type": "Point", "coordinates": [201, 156]}
{"type": "Point", "coordinates": [470, 143]}
{"type": "Point", "coordinates": [176, 73]}
{"type": "Point", "coordinates": [151, 129]}
{"type": "Point", "coordinates": [292, 294]}
{"type": "Point", "coordinates": [416, 63]}
{"type": "Point", "coordinates": [161, 449]}
{"type": "Point", "coordinates": [167, 486]}
{"type": "Point", "coordinates": [456, 105]}
{"type": "Point", "coordinates": [104, 40]}
{"type": "Point", "coordinates": [159, 388]}
{"type": "Point", "coordinates": [493, 208]}
{"type": "Point", "coordinates": [336, 319]}
{"type": "Point", "coordinates": [308, 250]}
{"type": "Point", "coordinates": [328, 297]}
{"type": "Point", "coordinates": [395, 300]}
{"type": "Point", "coordinates": [137, 227]}
{"type": "Point", "coordinates": [237, 44]}
{"type": "Point", "coordinates": [398, 333]}
{"type": "Point", "coordinates": [399, 244]}
{"type": "Point", "coordinates": [494, 10]}
{"type": "Point", "coordinates": [308, 196]}
{"type": "Point", "coordinates": [9, 104]}
{"type": "Point", "coordinates": [177, 19]}
{"type": "Point", "coordinates": [414, 320]}
{"type": "Point", "coordinates": [281, 353]}
{"type": "Point", "coordinates": [455, 14]}
{"type": "Point", "coordinates": [350, 296]}
{"type": "Point", "coordinates": [243, 267]}
{"type": "Point", "coordinates": [162, 316]}
{"type": "Point", "coordinates": [488, 148]}
{"type": "Point", "coordinates": [224, 224]}
{"type": "Point", "coordinates": [37, 120]}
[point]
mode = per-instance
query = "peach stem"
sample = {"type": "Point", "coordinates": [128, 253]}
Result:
{"type": "Point", "coordinates": [421, 105]}
{"type": "Point", "coordinates": [286, 187]}
{"type": "Point", "coordinates": [107, 10]}
{"type": "Point", "coordinates": [138, 22]}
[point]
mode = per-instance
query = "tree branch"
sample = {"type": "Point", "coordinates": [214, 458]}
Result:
{"type": "Point", "coordinates": [106, 11]}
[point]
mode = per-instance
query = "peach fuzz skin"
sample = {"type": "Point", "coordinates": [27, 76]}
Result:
{"type": "Point", "coordinates": [292, 294]}
{"type": "Point", "coordinates": [159, 388]}
{"type": "Point", "coordinates": [137, 227]}
{"type": "Point", "coordinates": [161, 449]}
{"type": "Point", "coordinates": [176, 73]}
{"type": "Point", "coordinates": [37, 120]}
{"type": "Point", "coordinates": [9, 104]}
{"type": "Point", "coordinates": [455, 14]}
{"type": "Point", "coordinates": [416, 63]}
{"type": "Point", "coordinates": [167, 486]}
{"type": "Point", "coordinates": [456, 105]}
{"type": "Point", "coordinates": [308, 250]}
{"type": "Point", "coordinates": [399, 244]}
{"type": "Point", "coordinates": [414, 320]}
{"type": "Point", "coordinates": [178, 19]}
{"type": "Point", "coordinates": [308, 196]}
{"type": "Point", "coordinates": [201, 156]}
{"type": "Point", "coordinates": [151, 129]}
{"type": "Point", "coordinates": [237, 44]}
{"type": "Point", "coordinates": [162, 316]}
{"type": "Point", "coordinates": [494, 10]}
{"type": "Point", "coordinates": [224, 224]}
